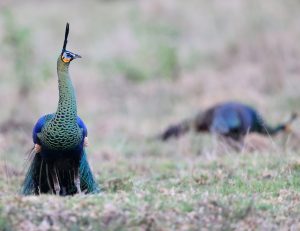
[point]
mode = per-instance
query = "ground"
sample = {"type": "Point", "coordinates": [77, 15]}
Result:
{"type": "Point", "coordinates": [148, 64]}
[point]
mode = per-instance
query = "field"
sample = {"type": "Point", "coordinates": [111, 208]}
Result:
{"type": "Point", "coordinates": [147, 64]}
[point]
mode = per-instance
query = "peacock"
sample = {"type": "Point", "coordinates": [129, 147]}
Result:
{"type": "Point", "coordinates": [229, 120]}
{"type": "Point", "coordinates": [59, 162]}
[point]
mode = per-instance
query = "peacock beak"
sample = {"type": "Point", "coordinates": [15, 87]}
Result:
{"type": "Point", "coordinates": [76, 56]}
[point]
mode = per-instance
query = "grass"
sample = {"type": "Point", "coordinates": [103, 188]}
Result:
{"type": "Point", "coordinates": [148, 64]}
{"type": "Point", "coordinates": [243, 191]}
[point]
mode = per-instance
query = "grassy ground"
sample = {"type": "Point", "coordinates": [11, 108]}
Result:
{"type": "Point", "coordinates": [232, 191]}
{"type": "Point", "coordinates": [148, 64]}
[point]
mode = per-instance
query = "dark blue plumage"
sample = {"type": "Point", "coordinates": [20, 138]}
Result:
{"type": "Point", "coordinates": [229, 119]}
{"type": "Point", "coordinates": [235, 119]}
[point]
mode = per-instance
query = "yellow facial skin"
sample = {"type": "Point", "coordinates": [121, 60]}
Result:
{"type": "Point", "coordinates": [65, 60]}
{"type": "Point", "coordinates": [68, 56]}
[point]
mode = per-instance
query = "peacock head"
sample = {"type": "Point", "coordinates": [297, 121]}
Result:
{"type": "Point", "coordinates": [67, 56]}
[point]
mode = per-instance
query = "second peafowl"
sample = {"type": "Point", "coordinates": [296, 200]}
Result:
{"type": "Point", "coordinates": [229, 119]}
{"type": "Point", "coordinates": [59, 163]}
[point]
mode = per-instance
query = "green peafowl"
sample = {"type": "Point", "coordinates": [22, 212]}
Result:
{"type": "Point", "coordinates": [59, 163]}
{"type": "Point", "coordinates": [229, 119]}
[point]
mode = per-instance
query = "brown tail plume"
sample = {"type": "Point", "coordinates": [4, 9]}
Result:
{"type": "Point", "coordinates": [176, 130]}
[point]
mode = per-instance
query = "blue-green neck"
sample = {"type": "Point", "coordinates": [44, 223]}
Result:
{"type": "Point", "coordinates": [263, 128]}
{"type": "Point", "coordinates": [62, 132]}
{"type": "Point", "coordinates": [276, 129]}
{"type": "Point", "coordinates": [67, 107]}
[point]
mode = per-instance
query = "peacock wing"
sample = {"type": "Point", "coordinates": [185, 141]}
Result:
{"type": "Point", "coordinates": [38, 127]}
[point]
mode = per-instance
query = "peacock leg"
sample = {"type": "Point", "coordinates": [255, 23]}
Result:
{"type": "Point", "coordinates": [235, 144]}
{"type": "Point", "coordinates": [55, 181]}
{"type": "Point", "coordinates": [77, 180]}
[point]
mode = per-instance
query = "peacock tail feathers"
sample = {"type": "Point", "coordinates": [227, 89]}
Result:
{"type": "Point", "coordinates": [29, 185]}
{"type": "Point", "coordinates": [87, 179]}
{"type": "Point", "coordinates": [177, 130]}
{"type": "Point", "coordinates": [38, 180]}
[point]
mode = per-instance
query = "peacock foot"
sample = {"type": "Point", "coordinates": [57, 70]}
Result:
{"type": "Point", "coordinates": [37, 148]}
{"type": "Point", "coordinates": [85, 142]}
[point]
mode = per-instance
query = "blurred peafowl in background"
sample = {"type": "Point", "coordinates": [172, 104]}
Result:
{"type": "Point", "coordinates": [229, 120]}
{"type": "Point", "coordinates": [59, 163]}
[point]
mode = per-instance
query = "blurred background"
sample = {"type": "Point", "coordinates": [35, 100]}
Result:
{"type": "Point", "coordinates": [145, 64]}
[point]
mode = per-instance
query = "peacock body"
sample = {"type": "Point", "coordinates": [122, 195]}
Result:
{"type": "Point", "coordinates": [228, 119]}
{"type": "Point", "coordinates": [60, 163]}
